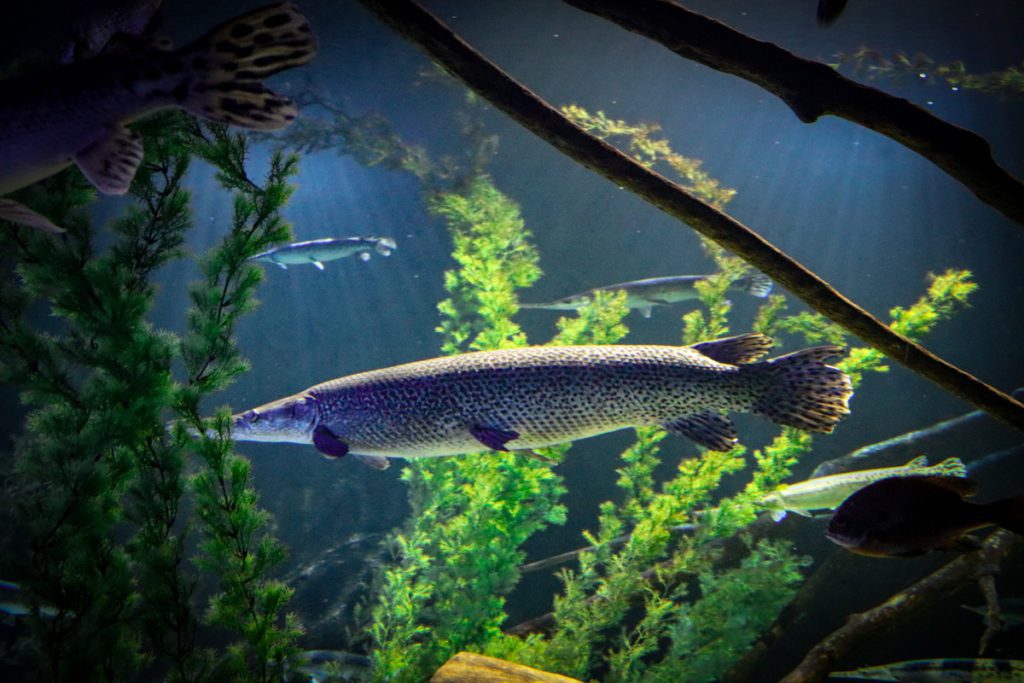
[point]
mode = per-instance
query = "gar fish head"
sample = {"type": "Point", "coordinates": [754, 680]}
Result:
{"type": "Point", "coordinates": [290, 420]}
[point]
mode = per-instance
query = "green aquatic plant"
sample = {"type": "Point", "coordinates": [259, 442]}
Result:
{"type": "Point", "coordinates": [105, 515]}
{"type": "Point", "coordinates": [900, 66]}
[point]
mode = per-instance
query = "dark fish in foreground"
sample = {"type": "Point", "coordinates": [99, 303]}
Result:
{"type": "Point", "coordinates": [77, 113]}
{"type": "Point", "coordinates": [326, 249]}
{"type": "Point", "coordinates": [540, 396]}
{"type": "Point", "coordinates": [941, 671]}
{"type": "Point", "coordinates": [644, 295]}
{"type": "Point", "coordinates": [908, 516]}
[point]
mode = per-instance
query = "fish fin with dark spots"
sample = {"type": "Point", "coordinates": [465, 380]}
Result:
{"type": "Point", "coordinates": [16, 212]}
{"type": "Point", "coordinates": [919, 461]}
{"type": "Point", "coordinates": [377, 462]}
{"type": "Point", "coordinates": [758, 284]}
{"type": "Point", "coordinates": [495, 439]}
{"type": "Point", "coordinates": [110, 162]}
{"type": "Point", "coordinates": [328, 443]}
{"type": "Point", "coordinates": [708, 429]}
{"type": "Point", "coordinates": [804, 392]}
{"type": "Point", "coordinates": [950, 467]}
{"type": "Point", "coordinates": [744, 348]}
{"type": "Point", "coordinates": [1009, 514]}
{"type": "Point", "coordinates": [230, 62]}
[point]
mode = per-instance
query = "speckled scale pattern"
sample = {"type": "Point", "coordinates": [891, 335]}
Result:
{"type": "Point", "coordinates": [547, 395]}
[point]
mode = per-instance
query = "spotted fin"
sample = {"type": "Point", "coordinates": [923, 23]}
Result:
{"type": "Point", "coordinates": [708, 429]}
{"type": "Point", "coordinates": [232, 60]}
{"type": "Point", "coordinates": [328, 443]}
{"type": "Point", "coordinates": [758, 284]}
{"type": "Point", "coordinates": [805, 392]}
{"type": "Point", "coordinates": [744, 348]}
{"type": "Point", "coordinates": [110, 162]}
{"type": "Point", "coordinates": [495, 439]}
{"type": "Point", "coordinates": [16, 212]}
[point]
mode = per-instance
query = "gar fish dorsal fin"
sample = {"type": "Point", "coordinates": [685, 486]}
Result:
{"type": "Point", "coordinates": [919, 461]}
{"type": "Point", "coordinates": [950, 467]}
{"type": "Point", "coordinates": [744, 348]}
{"type": "Point", "coordinates": [110, 162]}
{"type": "Point", "coordinates": [959, 485]}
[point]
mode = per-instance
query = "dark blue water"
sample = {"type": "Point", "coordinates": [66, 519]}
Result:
{"type": "Point", "coordinates": [865, 213]}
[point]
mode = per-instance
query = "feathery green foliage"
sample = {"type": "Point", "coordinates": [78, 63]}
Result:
{"type": "Point", "coordinates": [872, 64]}
{"type": "Point", "coordinates": [106, 479]}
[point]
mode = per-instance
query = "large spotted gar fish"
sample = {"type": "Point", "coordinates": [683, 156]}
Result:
{"type": "Point", "coordinates": [77, 112]}
{"type": "Point", "coordinates": [539, 396]}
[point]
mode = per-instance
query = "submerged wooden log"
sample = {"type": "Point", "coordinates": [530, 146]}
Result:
{"type": "Point", "coordinates": [467, 667]}
{"type": "Point", "coordinates": [824, 656]}
{"type": "Point", "coordinates": [484, 77]}
{"type": "Point", "coordinates": [812, 90]}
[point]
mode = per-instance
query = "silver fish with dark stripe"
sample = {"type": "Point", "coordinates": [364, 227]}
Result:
{"type": "Point", "coordinates": [941, 671]}
{"type": "Point", "coordinates": [77, 113]}
{"type": "Point", "coordinates": [315, 252]}
{"type": "Point", "coordinates": [644, 295]}
{"type": "Point", "coordinates": [532, 397]}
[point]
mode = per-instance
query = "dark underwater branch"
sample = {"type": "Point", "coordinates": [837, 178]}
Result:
{"type": "Point", "coordinates": [813, 90]}
{"type": "Point", "coordinates": [528, 109]}
{"type": "Point", "coordinates": [823, 657]}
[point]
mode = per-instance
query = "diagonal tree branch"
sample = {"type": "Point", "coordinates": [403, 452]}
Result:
{"type": "Point", "coordinates": [812, 90]}
{"type": "Point", "coordinates": [426, 31]}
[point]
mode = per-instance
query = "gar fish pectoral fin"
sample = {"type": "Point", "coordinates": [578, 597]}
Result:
{"type": "Point", "coordinates": [110, 162]}
{"type": "Point", "coordinates": [16, 212]}
{"type": "Point", "coordinates": [778, 515]}
{"type": "Point", "coordinates": [318, 264]}
{"type": "Point", "coordinates": [328, 443]}
{"type": "Point", "coordinates": [708, 429]}
{"type": "Point", "coordinates": [493, 438]}
{"type": "Point", "coordinates": [364, 256]}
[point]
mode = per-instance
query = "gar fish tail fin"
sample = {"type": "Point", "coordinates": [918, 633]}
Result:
{"type": "Point", "coordinates": [757, 284]}
{"type": "Point", "coordinates": [230, 62]}
{"type": "Point", "coordinates": [950, 467]}
{"type": "Point", "coordinates": [384, 246]}
{"type": "Point", "coordinates": [805, 392]}
{"type": "Point", "coordinates": [1008, 513]}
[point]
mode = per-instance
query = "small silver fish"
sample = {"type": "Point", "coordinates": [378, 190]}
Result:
{"type": "Point", "coordinates": [1011, 612]}
{"type": "Point", "coordinates": [326, 249]}
{"type": "Point", "coordinates": [77, 113]}
{"type": "Point", "coordinates": [657, 291]}
{"type": "Point", "coordinates": [827, 493]}
{"type": "Point", "coordinates": [539, 396]}
{"type": "Point", "coordinates": [941, 671]}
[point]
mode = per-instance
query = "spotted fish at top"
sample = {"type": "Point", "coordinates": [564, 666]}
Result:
{"type": "Point", "coordinates": [539, 396]}
{"type": "Point", "coordinates": [644, 295]}
{"type": "Point", "coordinates": [77, 113]}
